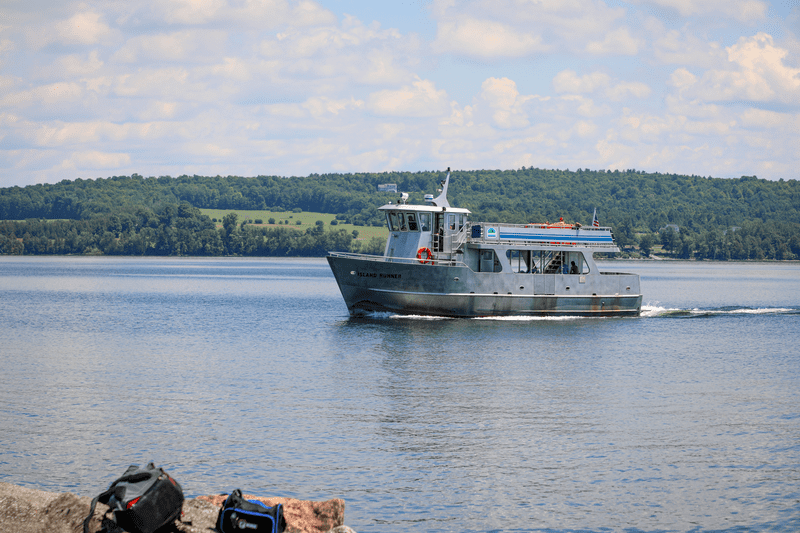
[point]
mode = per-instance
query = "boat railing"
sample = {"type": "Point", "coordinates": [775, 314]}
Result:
{"type": "Point", "coordinates": [546, 235]}
{"type": "Point", "coordinates": [461, 237]}
{"type": "Point", "coordinates": [400, 260]}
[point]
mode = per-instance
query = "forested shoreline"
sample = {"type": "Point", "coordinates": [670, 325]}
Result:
{"type": "Point", "coordinates": [176, 231]}
{"type": "Point", "coordinates": [688, 217]}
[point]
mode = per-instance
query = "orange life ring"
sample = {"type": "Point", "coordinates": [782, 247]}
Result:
{"type": "Point", "coordinates": [428, 255]}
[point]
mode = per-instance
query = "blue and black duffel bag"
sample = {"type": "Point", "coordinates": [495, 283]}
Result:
{"type": "Point", "coordinates": [239, 514]}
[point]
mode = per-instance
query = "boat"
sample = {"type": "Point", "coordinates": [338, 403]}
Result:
{"type": "Point", "coordinates": [438, 263]}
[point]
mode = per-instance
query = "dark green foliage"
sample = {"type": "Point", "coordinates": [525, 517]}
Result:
{"type": "Point", "coordinates": [669, 239]}
{"type": "Point", "coordinates": [133, 214]}
{"type": "Point", "coordinates": [176, 230]}
{"type": "Point", "coordinates": [646, 244]}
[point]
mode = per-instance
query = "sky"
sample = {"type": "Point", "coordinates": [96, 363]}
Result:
{"type": "Point", "coordinates": [93, 89]}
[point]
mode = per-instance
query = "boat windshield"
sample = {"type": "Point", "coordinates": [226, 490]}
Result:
{"type": "Point", "coordinates": [425, 221]}
{"type": "Point", "coordinates": [399, 221]}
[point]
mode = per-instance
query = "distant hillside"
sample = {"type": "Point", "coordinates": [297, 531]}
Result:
{"type": "Point", "coordinates": [702, 210]}
{"type": "Point", "coordinates": [648, 201]}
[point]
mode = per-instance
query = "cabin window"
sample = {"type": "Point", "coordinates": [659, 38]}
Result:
{"type": "Point", "coordinates": [402, 219]}
{"type": "Point", "coordinates": [557, 262]}
{"type": "Point", "coordinates": [393, 224]}
{"type": "Point", "coordinates": [451, 222]}
{"type": "Point", "coordinates": [425, 221]}
{"type": "Point", "coordinates": [520, 260]}
{"type": "Point", "coordinates": [575, 263]}
{"type": "Point", "coordinates": [462, 219]}
{"type": "Point", "coordinates": [554, 262]}
{"type": "Point", "coordinates": [412, 222]}
{"type": "Point", "coordinates": [489, 262]}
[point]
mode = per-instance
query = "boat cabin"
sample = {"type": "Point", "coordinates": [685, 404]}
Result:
{"type": "Point", "coordinates": [412, 228]}
{"type": "Point", "coordinates": [438, 233]}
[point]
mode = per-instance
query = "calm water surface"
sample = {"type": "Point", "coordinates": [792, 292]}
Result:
{"type": "Point", "coordinates": [249, 373]}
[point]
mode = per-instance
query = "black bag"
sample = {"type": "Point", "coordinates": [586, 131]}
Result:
{"type": "Point", "coordinates": [239, 514]}
{"type": "Point", "coordinates": [143, 500]}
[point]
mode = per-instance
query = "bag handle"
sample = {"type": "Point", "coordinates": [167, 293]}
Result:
{"type": "Point", "coordinates": [103, 498]}
{"type": "Point", "coordinates": [131, 475]}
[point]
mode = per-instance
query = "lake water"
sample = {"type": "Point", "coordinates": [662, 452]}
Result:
{"type": "Point", "coordinates": [249, 373]}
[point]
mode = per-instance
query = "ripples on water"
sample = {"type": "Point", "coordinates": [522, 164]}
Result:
{"type": "Point", "coordinates": [249, 373]}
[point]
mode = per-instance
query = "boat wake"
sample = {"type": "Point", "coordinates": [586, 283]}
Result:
{"type": "Point", "coordinates": [656, 311]}
{"type": "Point", "coordinates": [648, 311]}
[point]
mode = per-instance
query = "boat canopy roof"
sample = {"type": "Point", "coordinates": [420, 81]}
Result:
{"type": "Point", "coordinates": [423, 208]}
{"type": "Point", "coordinates": [435, 205]}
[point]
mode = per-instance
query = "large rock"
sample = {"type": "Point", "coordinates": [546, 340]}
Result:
{"type": "Point", "coordinates": [24, 510]}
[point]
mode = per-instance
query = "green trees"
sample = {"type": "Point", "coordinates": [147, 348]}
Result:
{"type": "Point", "coordinates": [177, 230]}
{"type": "Point", "coordinates": [716, 218]}
{"type": "Point", "coordinates": [648, 200]}
{"type": "Point", "coordinates": [669, 239]}
{"type": "Point", "coordinates": [646, 242]}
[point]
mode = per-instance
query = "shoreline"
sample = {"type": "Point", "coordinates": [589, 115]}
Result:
{"type": "Point", "coordinates": [301, 257]}
{"type": "Point", "coordinates": [26, 510]}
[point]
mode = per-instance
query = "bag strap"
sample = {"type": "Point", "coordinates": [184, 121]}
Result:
{"type": "Point", "coordinates": [102, 497]}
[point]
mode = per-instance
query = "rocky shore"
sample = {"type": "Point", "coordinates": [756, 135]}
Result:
{"type": "Point", "coordinates": [24, 510]}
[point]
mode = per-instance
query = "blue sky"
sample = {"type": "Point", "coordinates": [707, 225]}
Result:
{"type": "Point", "coordinates": [246, 87]}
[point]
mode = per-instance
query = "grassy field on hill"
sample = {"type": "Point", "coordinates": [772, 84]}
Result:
{"type": "Point", "coordinates": [290, 219]}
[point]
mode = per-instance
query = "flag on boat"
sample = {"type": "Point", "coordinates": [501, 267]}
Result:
{"type": "Point", "coordinates": [595, 222]}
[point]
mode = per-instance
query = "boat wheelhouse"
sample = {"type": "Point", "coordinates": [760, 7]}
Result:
{"type": "Point", "coordinates": [437, 262]}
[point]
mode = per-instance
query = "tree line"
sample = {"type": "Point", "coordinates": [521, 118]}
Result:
{"type": "Point", "coordinates": [180, 230]}
{"type": "Point", "coordinates": [745, 218]}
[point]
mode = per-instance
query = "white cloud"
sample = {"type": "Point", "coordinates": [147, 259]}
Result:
{"type": "Point", "coordinates": [6, 46]}
{"type": "Point", "coordinates": [756, 72]}
{"type": "Point", "coordinates": [183, 46]}
{"type": "Point", "coordinates": [742, 10]}
{"type": "Point", "coordinates": [322, 107]}
{"type": "Point", "coordinates": [159, 83]}
{"type": "Point", "coordinates": [72, 134]}
{"type": "Point", "coordinates": [769, 120]}
{"type": "Point", "coordinates": [517, 28]}
{"type": "Point", "coordinates": [74, 65]}
{"type": "Point", "coordinates": [420, 99]}
{"type": "Point", "coordinates": [624, 90]}
{"type": "Point", "coordinates": [682, 78]}
{"type": "Point", "coordinates": [338, 56]}
{"type": "Point", "coordinates": [93, 159]}
{"type": "Point", "coordinates": [233, 69]}
{"type": "Point", "coordinates": [44, 95]}
{"type": "Point", "coordinates": [616, 42]}
{"type": "Point", "coordinates": [683, 48]}
{"type": "Point", "coordinates": [192, 11]}
{"type": "Point", "coordinates": [82, 28]}
{"type": "Point", "coordinates": [258, 14]}
{"type": "Point", "coordinates": [502, 98]}
{"type": "Point", "coordinates": [567, 81]}
{"type": "Point", "coordinates": [486, 39]}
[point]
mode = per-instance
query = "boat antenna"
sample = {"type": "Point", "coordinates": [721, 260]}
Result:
{"type": "Point", "coordinates": [441, 200]}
